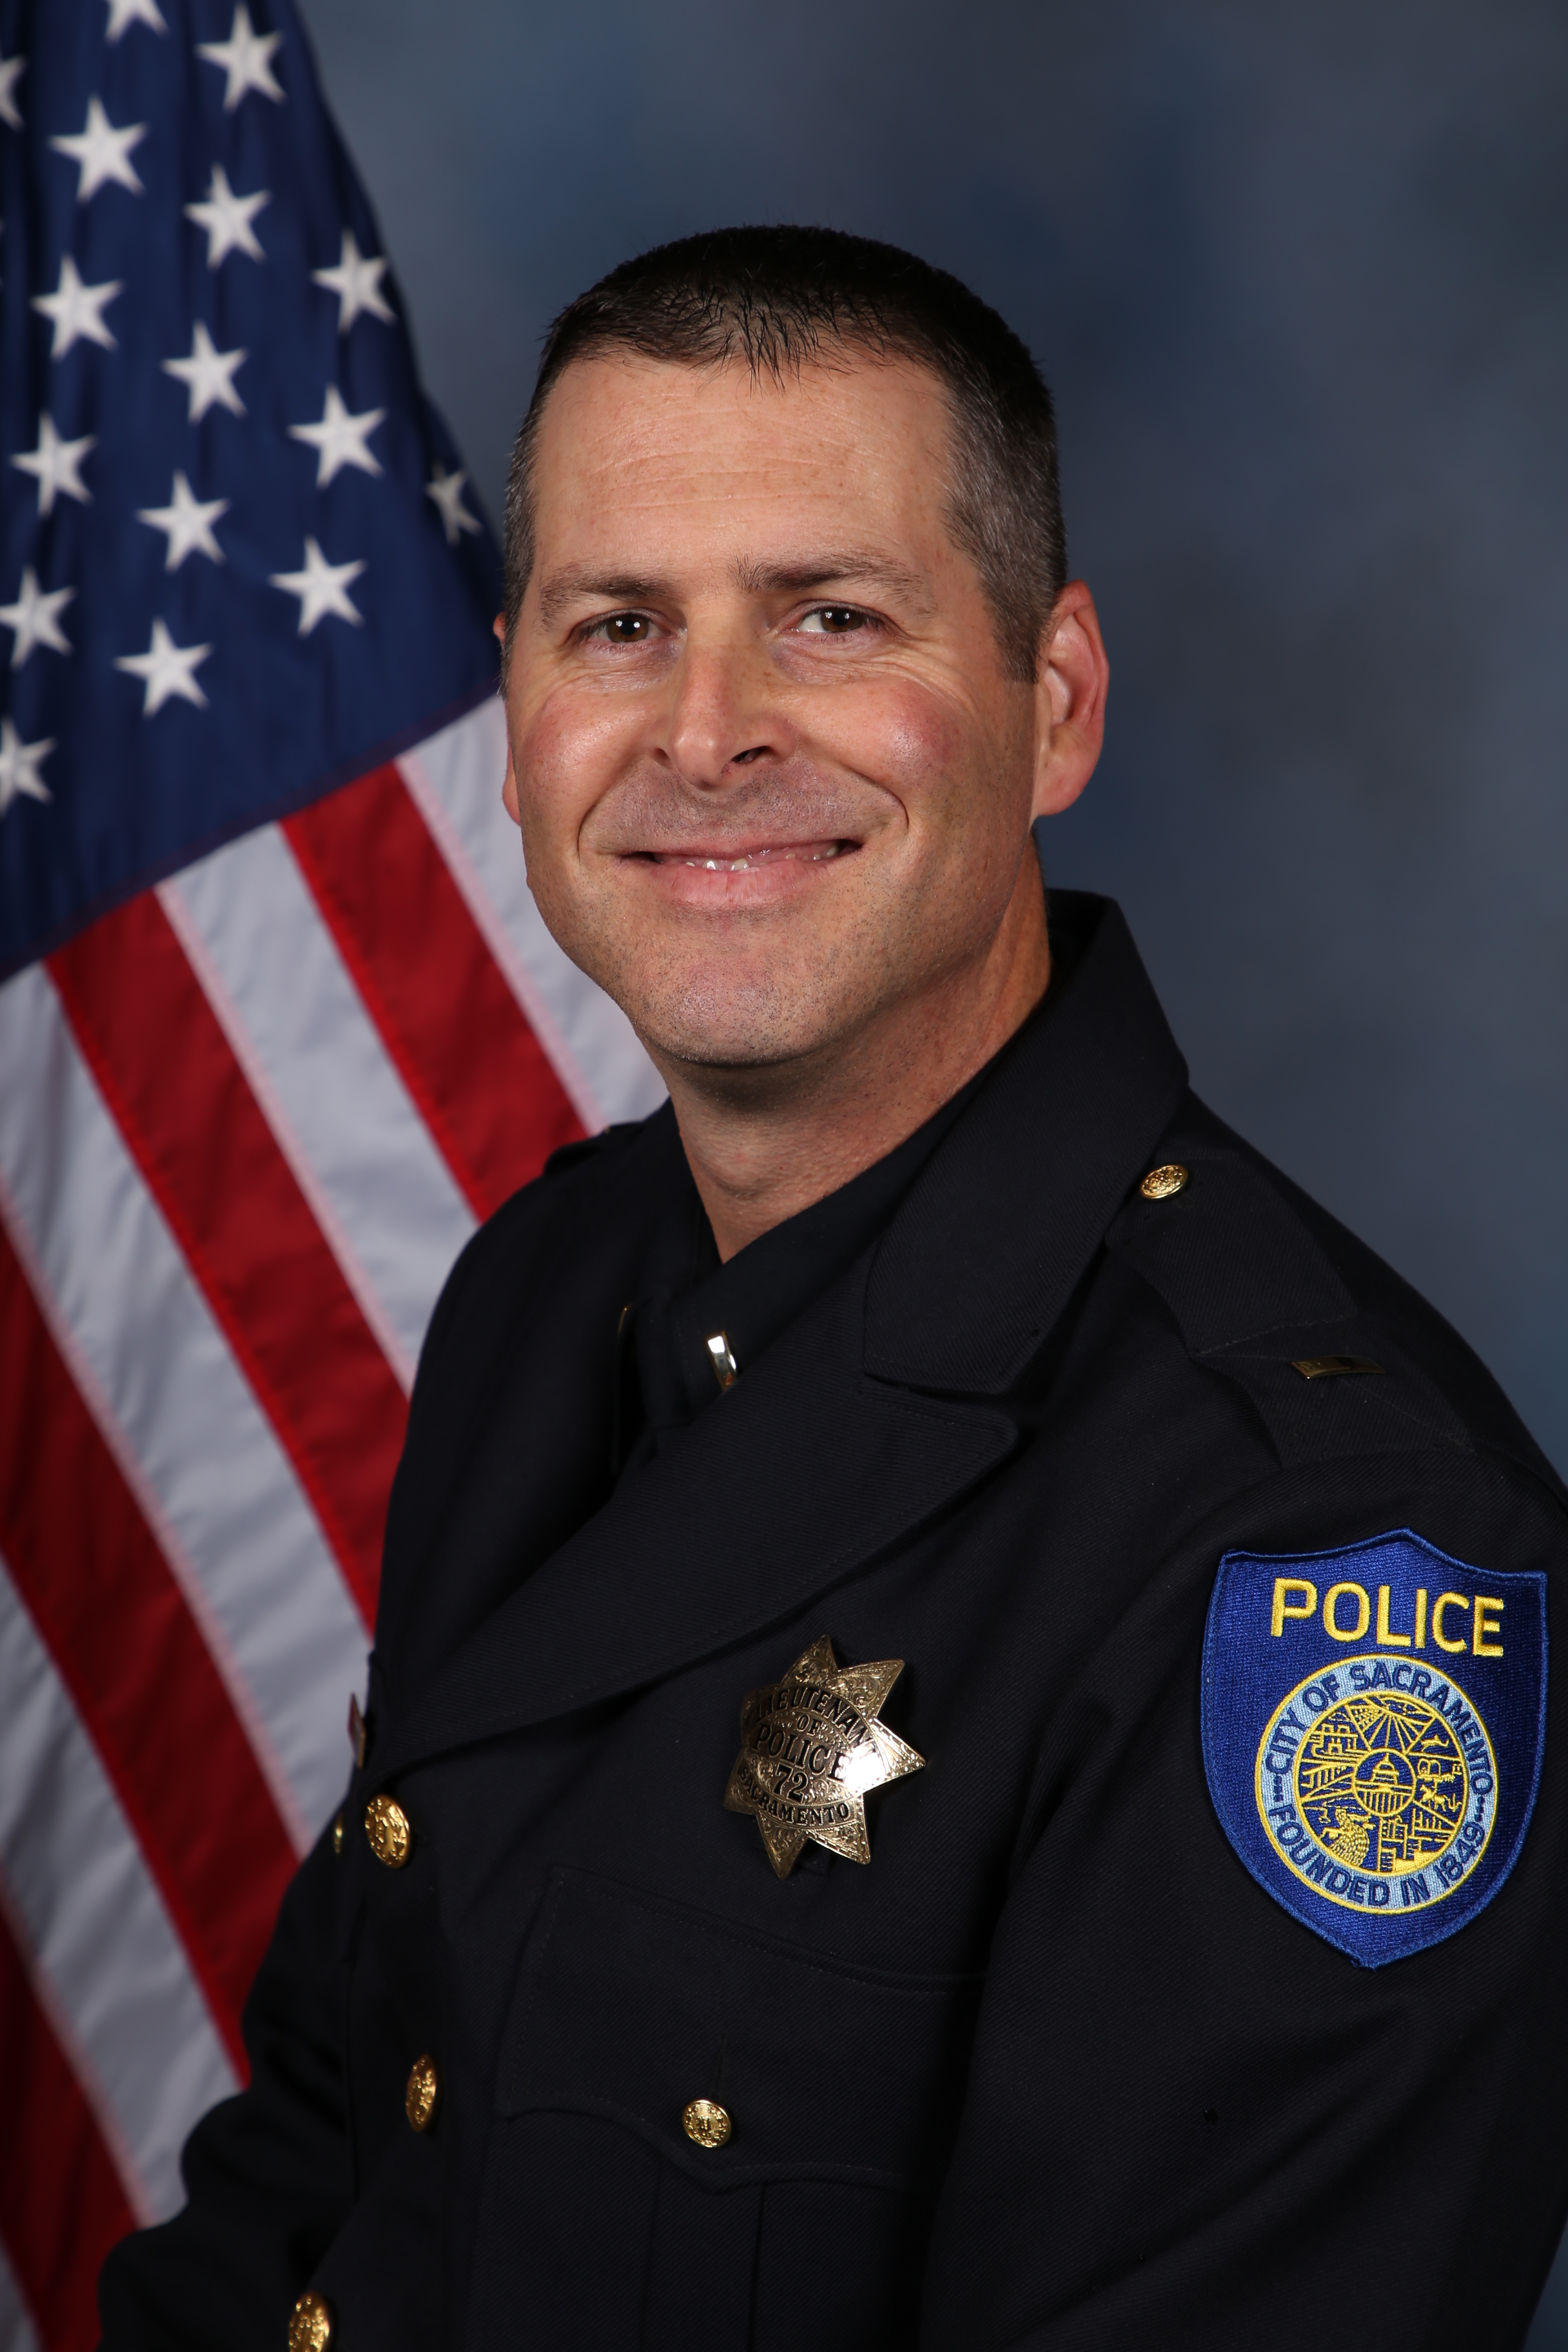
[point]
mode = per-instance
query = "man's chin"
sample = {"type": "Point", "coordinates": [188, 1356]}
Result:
{"type": "Point", "coordinates": [743, 1052]}
{"type": "Point", "coordinates": [780, 1027]}
{"type": "Point", "coordinates": [748, 999]}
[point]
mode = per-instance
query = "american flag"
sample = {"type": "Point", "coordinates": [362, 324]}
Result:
{"type": "Point", "coordinates": [279, 1023]}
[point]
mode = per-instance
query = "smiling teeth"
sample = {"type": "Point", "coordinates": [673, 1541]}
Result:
{"type": "Point", "coordinates": [756, 857]}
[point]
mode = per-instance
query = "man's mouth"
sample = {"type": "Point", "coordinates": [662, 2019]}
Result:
{"type": "Point", "coordinates": [747, 861]}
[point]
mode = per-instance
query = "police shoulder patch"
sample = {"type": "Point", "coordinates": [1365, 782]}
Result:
{"type": "Point", "coordinates": [1372, 1726]}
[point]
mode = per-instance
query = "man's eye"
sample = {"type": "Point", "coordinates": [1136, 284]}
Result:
{"type": "Point", "coordinates": [834, 621]}
{"type": "Point", "coordinates": [623, 629]}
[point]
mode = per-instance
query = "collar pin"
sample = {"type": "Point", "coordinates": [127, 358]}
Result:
{"type": "Point", "coordinates": [720, 1355]}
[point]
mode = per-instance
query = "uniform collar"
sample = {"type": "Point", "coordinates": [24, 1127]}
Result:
{"type": "Point", "coordinates": [688, 1296]}
{"type": "Point", "coordinates": [989, 1246]}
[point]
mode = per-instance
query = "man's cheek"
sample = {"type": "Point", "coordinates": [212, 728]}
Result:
{"type": "Point", "coordinates": [568, 748]}
{"type": "Point", "coordinates": [906, 739]}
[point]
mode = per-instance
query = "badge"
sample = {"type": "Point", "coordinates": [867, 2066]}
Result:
{"type": "Point", "coordinates": [811, 1747]}
{"type": "Point", "coordinates": [1373, 1728]}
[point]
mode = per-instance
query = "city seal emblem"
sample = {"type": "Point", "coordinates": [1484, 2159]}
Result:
{"type": "Point", "coordinates": [811, 1748]}
{"type": "Point", "coordinates": [1372, 1726]}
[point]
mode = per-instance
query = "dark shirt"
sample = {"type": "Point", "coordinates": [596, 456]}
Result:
{"type": "Point", "coordinates": [666, 1373]}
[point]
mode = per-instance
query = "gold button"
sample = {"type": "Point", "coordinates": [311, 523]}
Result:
{"type": "Point", "coordinates": [1161, 1183]}
{"type": "Point", "coordinates": [422, 2090]}
{"type": "Point", "coordinates": [386, 1826]}
{"type": "Point", "coordinates": [311, 2323]}
{"type": "Point", "coordinates": [337, 1835]}
{"type": "Point", "coordinates": [705, 2122]}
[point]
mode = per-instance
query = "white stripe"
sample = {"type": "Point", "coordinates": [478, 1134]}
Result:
{"type": "Point", "coordinates": [456, 778]}
{"type": "Point", "coordinates": [160, 1379]}
{"type": "Point", "coordinates": [106, 1959]}
{"type": "Point", "coordinates": [17, 2333]}
{"type": "Point", "coordinates": [374, 1178]}
{"type": "Point", "coordinates": [209, 979]}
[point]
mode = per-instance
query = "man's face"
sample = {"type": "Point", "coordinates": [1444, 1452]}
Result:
{"type": "Point", "coordinates": [773, 782]}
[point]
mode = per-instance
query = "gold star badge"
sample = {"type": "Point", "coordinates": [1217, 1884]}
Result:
{"type": "Point", "coordinates": [811, 1747]}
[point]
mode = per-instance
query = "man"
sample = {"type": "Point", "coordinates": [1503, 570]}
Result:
{"type": "Point", "coordinates": [957, 1746]}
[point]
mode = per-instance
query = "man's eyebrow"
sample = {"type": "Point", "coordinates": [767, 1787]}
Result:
{"type": "Point", "coordinates": [580, 582]}
{"type": "Point", "coordinates": [828, 570]}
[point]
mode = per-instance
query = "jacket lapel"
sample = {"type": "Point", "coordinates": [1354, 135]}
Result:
{"type": "Point", "coordinates": [825, 1452]}
{"type": "Point", "coordinates": [788, 1481]}
{"type": "Point", "coordinates": [509, 1437]}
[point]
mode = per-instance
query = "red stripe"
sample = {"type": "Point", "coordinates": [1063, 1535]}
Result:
{"type": "Point", "coordinates": [104, 1601]}
{"type": "Point", "coordinates": [61, 2203]}
{"type": "Point", "coordinates": [213, 1164]}
{"type": "Point", "coordinates": [484, 1085]}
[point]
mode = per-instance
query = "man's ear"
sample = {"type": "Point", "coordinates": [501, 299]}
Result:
{"type": "Point", "coordinates": [1070, 701]}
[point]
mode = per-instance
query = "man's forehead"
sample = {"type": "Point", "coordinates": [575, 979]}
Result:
{"type": "Point", "coordinates": [614, 409]}
{"type": "Point", "coordinates": [798, 482]}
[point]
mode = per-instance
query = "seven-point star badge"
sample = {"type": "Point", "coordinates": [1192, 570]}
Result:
{"type": "Point", "coordinates": [811, 1747]}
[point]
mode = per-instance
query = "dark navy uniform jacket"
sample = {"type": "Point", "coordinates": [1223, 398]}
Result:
{"type": "Point", "coordinates": [1055, 2070]}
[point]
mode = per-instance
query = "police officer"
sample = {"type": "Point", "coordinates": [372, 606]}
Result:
{"type": "Point", "coordinates": [958, 1749]}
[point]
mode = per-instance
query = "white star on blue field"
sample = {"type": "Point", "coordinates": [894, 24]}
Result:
{"type": "Point", "coordinates": [238, 561]}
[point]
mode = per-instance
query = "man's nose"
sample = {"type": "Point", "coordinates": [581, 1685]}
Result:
{"type": "Point", "coordinates": [726, 711]}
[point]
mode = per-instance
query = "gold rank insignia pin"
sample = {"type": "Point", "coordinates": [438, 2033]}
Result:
{"type": "Point", "coordinates": [811, 1749]}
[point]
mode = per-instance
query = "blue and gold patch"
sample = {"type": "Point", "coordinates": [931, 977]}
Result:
{"type": "Point", "coordinates": [1372, 1726]}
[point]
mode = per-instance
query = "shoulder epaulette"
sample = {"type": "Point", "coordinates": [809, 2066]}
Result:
{"type": "Point", "coordinates": [1259, 1300]}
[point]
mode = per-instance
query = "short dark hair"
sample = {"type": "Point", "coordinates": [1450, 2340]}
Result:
{"type": "Point", "coordinates": [775, 297]}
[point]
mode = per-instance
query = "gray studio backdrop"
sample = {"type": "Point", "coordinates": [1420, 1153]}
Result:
{"type": "Point", "coordinates": [1297, 276]}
